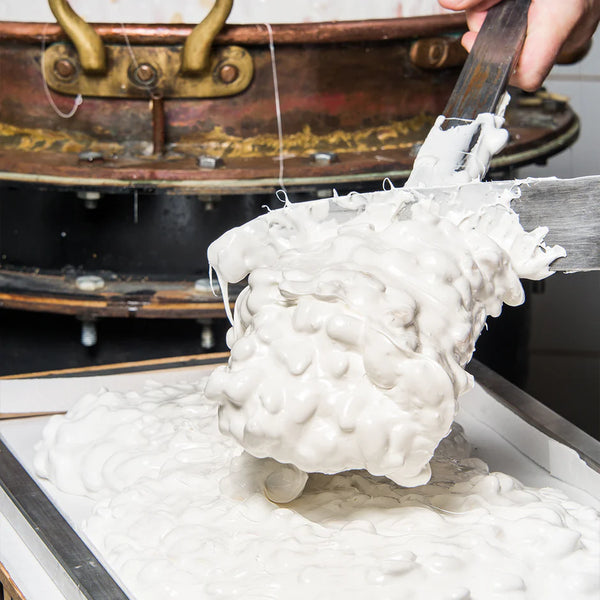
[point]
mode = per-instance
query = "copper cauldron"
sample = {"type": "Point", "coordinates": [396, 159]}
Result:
{"type": "Point", "coordinates": [177, 139]}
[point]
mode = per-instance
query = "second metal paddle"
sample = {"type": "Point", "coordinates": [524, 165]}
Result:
{"type": "Point", "coordinates": [484, 77]}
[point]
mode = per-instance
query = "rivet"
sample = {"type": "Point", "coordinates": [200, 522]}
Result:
{"type": "Point", "coordinates": [228, 73]}
{"type": "Point", "coordinates": [64, 68]}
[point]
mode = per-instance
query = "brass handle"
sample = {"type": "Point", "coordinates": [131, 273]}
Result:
{"type": "Point", "coordinates": [196, 50]}
{"type": "Point", "coordinates": [195, 56]}
{"type": "Point", "coordinates": [90, 48]}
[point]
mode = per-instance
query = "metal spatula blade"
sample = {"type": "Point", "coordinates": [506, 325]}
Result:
{"type": "Point", "coordinates": [569, 208]}
{"type": "Point", "coordinates": [485, 74]}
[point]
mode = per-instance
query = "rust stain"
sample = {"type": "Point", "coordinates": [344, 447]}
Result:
{"type": "Point", "coordinates": [38, 140]}
{"type": "Point", "coordinates": [393, 136]}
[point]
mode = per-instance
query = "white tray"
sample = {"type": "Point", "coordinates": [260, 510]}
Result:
{"type": "Point", "coordinates": [49, 557]}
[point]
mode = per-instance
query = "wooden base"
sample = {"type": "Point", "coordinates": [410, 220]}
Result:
{"type": "Point", "coordinates": [155, 364]}
{"type": "Point", "coordinates": [8, 587]}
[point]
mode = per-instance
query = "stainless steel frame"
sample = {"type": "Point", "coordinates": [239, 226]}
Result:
{"type": "Point", "coordinates": [65, 557]}
{"type": "Point", "coordinates": [538, 415]}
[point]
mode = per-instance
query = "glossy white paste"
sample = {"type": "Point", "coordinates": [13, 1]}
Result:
{"type": "Point", "coordinates": [181, 514]}
{"type": "Point", "coordinates": [468, 145]}
{"type": "Point", "coordinates": [348, 345]}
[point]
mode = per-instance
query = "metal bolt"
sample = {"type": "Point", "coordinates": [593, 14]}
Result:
{"type": "Point", "coordinates": [324, 158]}
{"type": "Point", "coordinates": [89, 334]}
{"type": "Point", "coordinates": [64, 68]}
{"type": "Point", "coordinates": [209, 162]}
{"type": "Point", "coordinates": [324, 193]}
{"type": "Point", "coordinates": [203, 285]}
{"type": "Point", "coordinates": [90, 156]}
{"type": "Point", "coordinates": [90, 199]}
{"type": "Point", "coordinates": [228, 73]}
{"type": "Point", "coordinates": [144, 74]}
{"type": "Point", "coordinates": [207, 338]}
{"type": "Point", "coordinates": [89, 283]}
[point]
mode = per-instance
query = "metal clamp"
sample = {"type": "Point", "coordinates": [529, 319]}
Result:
{"type": "Point", "coordinates": [91, 68]}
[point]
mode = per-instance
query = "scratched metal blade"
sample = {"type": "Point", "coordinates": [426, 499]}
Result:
{"type": "Point", "coordinates": [484, 77]}
{"type": "Point", "coordinates": [569, 208]}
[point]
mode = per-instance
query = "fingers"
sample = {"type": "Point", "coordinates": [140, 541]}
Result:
{"type": "Point", "coordinates": [546, 33]}
{"type": "Point", "coordinates": [479, 5]}
{"type": "Point", "coordinates": [468, 39]}
{"type": "Point", "coordinates": [552, 25]}
{"type": "Point", "coordinates": [475, 19]}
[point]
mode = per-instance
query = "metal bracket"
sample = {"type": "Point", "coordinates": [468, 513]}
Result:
{"type": "Point", "coordinates": [154, 69]}
{"type": "Point", "coordinates": [197, 70]}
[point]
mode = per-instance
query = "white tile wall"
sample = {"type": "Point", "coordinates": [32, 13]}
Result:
{"type": "Point", "coordinates": [581, 83]}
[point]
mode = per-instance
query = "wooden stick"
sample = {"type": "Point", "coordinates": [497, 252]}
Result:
{"type": "Point", "coordinates": [27, 415]}
{"type": "Point", "coordinates": [133, 367]}
{"type": "Point", "coordinates": [11, 590]}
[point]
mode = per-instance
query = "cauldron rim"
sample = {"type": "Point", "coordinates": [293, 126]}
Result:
{"type": "Point", "coordinates": [249, 34]}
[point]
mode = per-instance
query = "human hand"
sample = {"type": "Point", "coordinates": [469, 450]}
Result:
{"type": "Point", "coordinates": [553, 26]}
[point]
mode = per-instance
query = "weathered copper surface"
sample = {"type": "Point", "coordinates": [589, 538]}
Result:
{"type": "Point", "coordinates": [350, 98]}
{"type": "Point", "coordinates": [366, 155]}
{"type": "Point", "coordinates": [367, 102]}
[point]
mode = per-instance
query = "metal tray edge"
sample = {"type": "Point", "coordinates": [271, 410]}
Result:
{"type": "Point", "coordinates": [62, 553]}
{"type": "Point", "coordinates": [538, 415]}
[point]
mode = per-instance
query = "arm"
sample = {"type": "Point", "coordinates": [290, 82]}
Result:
{"type": "Point", "coordinates": [553, 26]}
